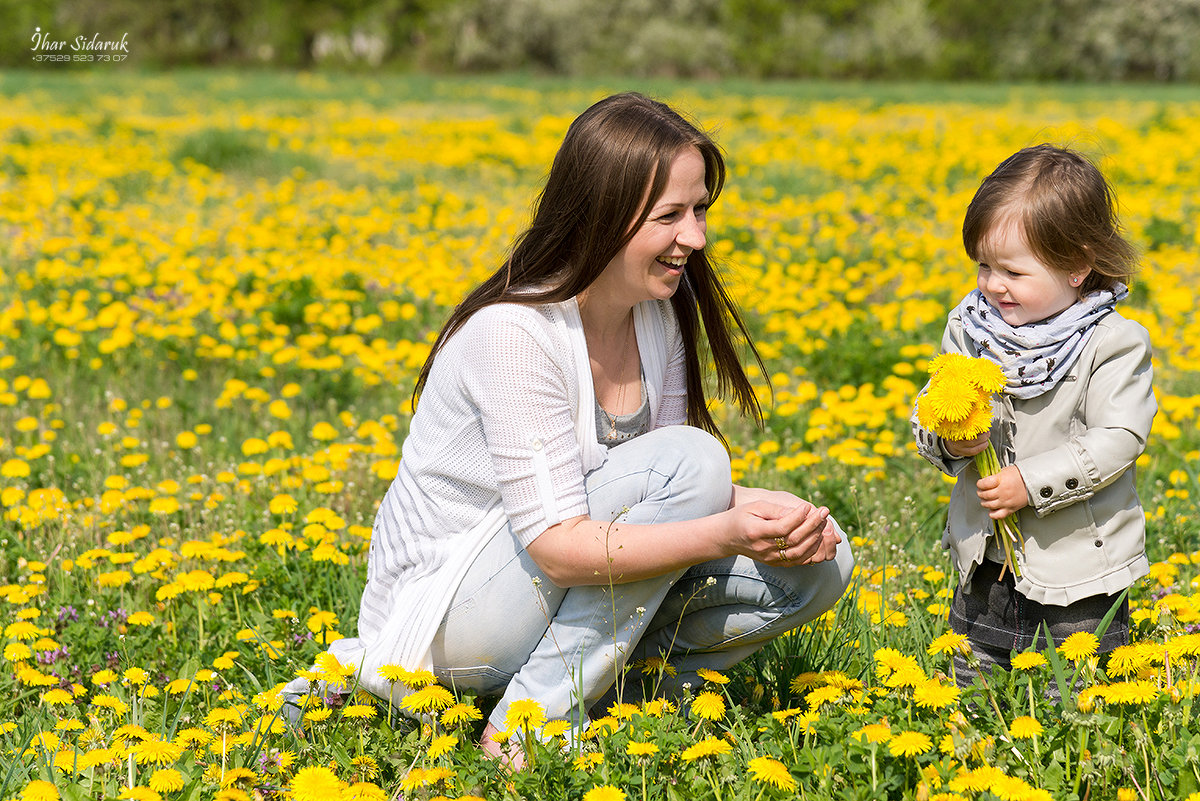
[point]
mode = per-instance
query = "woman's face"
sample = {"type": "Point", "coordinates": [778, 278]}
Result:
{"type": "Point", "coordinates": [651, 264]}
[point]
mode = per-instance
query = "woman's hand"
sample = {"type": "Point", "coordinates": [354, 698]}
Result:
{"type": "Point", "coordinates": [793, 534]}
{"type": "Point", "coordinates": [784, 531]}
{"type": "Point", "coordinates": [965, 448]}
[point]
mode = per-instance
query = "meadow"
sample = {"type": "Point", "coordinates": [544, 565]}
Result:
{"type": "Point", "coordinates": [217, 291]}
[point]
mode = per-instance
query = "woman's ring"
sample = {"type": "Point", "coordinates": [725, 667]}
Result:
{"type": "Point", "coordinates": [783, 555]}
{"type": "Point", "coordinates": [780, 543]}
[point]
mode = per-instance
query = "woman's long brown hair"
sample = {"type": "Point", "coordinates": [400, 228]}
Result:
{"type": "Point", "coordinates": [596, 187]}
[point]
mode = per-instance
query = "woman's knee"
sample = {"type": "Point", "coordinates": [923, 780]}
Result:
{"type": "Point", "coordinates": [700, 462]}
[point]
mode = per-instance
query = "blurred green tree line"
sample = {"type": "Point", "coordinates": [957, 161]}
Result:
{"type": "Point", "coordinates": [1095, 40]}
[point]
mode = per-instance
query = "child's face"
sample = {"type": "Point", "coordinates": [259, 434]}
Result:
{"type": "Point", "coordinates": [1014, 281]}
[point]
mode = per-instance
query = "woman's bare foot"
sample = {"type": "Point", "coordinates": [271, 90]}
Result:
{"type": "Point", "coordinates": [509, 753]}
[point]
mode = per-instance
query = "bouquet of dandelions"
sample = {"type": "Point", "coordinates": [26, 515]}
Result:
{"type": "Point", "coordinates": [957, 405]}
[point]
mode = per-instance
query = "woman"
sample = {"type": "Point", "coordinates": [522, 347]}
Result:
{"type": "Point", "coordinates": [563, 504]}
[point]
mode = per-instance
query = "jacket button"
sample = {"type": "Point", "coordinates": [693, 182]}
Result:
{"type": "Point", "coordinates": [1046, 492]}
{"type": "Point", "coordinates": [1098, 544]}
{"type": "Point", "coordinates": [1072, 483]}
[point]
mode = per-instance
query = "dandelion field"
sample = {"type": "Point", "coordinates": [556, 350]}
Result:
{"type": "Point", "coordinates": [217, 291]}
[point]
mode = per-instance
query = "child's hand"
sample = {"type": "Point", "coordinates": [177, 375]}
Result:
{"type": "Point", "coordinates": [1004, 493]}
{"type": "Point", "coordinates": [964, 448]}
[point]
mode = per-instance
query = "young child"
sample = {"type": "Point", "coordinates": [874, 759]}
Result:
{"type": "Point", "coordinates": [1071, 422]}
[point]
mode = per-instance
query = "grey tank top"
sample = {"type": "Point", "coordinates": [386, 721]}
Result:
{"type": "Point", "coordinates": [612, 431]}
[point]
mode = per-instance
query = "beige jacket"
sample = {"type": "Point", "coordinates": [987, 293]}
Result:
{"type": "Point", "coordinates": [1075, 446]}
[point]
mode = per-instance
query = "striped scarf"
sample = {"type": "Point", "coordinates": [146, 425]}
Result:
{"type": "Point", "coordinates": [1036, 356]}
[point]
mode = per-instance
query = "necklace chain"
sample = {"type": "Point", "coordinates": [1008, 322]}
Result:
{"type": "Point", "coordinates": [612, 419]}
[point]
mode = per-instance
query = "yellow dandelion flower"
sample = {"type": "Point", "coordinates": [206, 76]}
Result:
{"type": "Point", "coordinates": [57, 697]}
{"type": "Point", "coordinates": [655, 665]}
{"type": "Point", "coordinates": [366, 791]}
{"type": "Point", "coordinates": [623, 711]}
{"type": "Point", "coordinates": [433, 698]}
{"type": "Point", "coordinates": [315, 784]}
{"type": "Point", "coordinates": [323, 431]}
{"type": "Point", "coordinates": [365, 766]}
{"type": "Point", "coordinates": [1184, 645]}
{"type": "Point", "coordinates": [977, 421]}
{"type": "Point", "coordinates": [358, 711]}
{"type": "Point", "coordinates": [166, 780]}
{"type": "Point", "coordinates": [232, 794]}
{"type": "Point", "coordinates": [15, 468]}
{"type": "Point", "coordinates": [910, 744]}
{"type": "Point", "coordinates": [944, 404]}
{"type": "Point", "coordinates": [709, 706]}
{"type": "Point", "coordinates": [784, 715]}
{"type": "Point", "coordinates": [910, 676]}
{"type": "Point", "coordinates": [117, 578]}
{"type": "Point", "coordinates": [658, 707]}
{"type": "Point", "coordinates": [635, 748]}
{"type": "Point", "coordinates": [556, 728]}
{"type": "Point", "coordinates": [712, 676]}
{"type": "Point", "coordinates": [438, 775]}
{"type": "Point", "coordinates": [773, 772]}
{"type": "Point", "coordinates": [158, 752]}
{"type": "Point", "coordinates": [22, 630]}
{"type": "Point", "coordinates": [442, 744]}
{"type": "Point", "coordinates": [460, 713]}
{"type": "Point", "coordinates": [111, 703]}
{"type": "Point", "coordinates": [1028, 660]}
{"type": "Point", "coordinates": [874, 733]}
{"type": "Point", "coordinates": [823, 695]}
{"type": "Point", "coordinates": [524, 713]}
{"type": "Point", "coordinates": [1079, 645]}
{"type": "Point", "coordinates": [136, 675]}
{"type": "Point", "coordinates": [222, 718]}
{"type": "Point", "coordinates": [985, 374]}
{"type": "Point", "coordinates": [708, 747]}
{"type": "Point", "coordinates": [17, 652]}
{"type": "Point", "coordinates": [949, 643]}
{"type": "Point", "coordinates": [418, 679]}
{"type": "Point", "coordinates": [193, 738]}
{"type": "Point", "coordinates": [393, 673]}
{"type": "Point", "coordinates": [38, 790]}
{"type": "Point", "coordinates": [131, 731]}
{"type": "Point", "coordinates": [604, 792]}
{"type": "Point", "coordinates": [932, 694]}
{"type": "Point", "coordinates": [585, 762]}
{"type": "Point", "coordinates": [1126, 660]}
{"type": "Point", "coordinates": [1025, 728]}
{"type": "Point", "coordinates": [1130, 692]}
{"type": "Point", "coordinates": [1086, 700]}
{"type": "Point", "coordinates": [318, 715]}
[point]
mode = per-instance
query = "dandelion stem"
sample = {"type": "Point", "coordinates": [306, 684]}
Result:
{"type": "Point", "coordinates": [1079, 767]}
{"type": "Point", "coordinates": [1007, 530]}
{"type": "Point", "coordinates": [874, 770]}
{"type": "Point", "coordinates": [200, 617]}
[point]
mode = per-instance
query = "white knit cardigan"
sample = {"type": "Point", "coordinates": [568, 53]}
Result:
{"type": "Point", "coordinates": [505, 432]}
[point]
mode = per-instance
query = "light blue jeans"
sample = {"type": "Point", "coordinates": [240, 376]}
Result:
{"type": "Point", "coordinates": [510, 631]}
